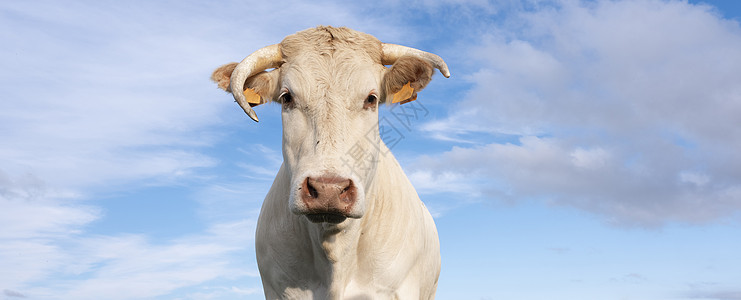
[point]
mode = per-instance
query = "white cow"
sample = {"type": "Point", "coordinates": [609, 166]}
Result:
{"type": "Point", "coordinates": [341, 220]}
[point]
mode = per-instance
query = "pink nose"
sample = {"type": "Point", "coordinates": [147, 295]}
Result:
{"type": "Point", "coordinates": [328, 199]}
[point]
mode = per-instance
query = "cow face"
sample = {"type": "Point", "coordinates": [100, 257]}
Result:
{"type": "Point", "coordinates": [329, 82]}
{"type": "Point", "coordinates": [330, 132]}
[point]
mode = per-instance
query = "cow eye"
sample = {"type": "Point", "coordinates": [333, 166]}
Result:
{"type": "Point", "coordinates": [370, 102]}
{"type": "Point", "coordinates": [286, 98]}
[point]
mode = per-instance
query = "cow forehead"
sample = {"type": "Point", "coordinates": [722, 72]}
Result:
{"type": "Point", "coordinates": [331, 64]}
{"type": "Point", "coordinates": [321, 76]}
{"type": "Point", "coordinates": [332, 42]}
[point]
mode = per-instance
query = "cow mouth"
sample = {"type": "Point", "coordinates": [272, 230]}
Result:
{"type": "Point", "coordinates": [326, 218]}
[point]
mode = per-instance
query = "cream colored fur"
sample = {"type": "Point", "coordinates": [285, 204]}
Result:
{"type": "Point", "coordinates": [388, 247]}
{"type": "Point", "coordinates": [392, 252]}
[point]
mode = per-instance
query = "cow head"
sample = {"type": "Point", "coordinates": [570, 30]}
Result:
{"type": "Point", "coordinates": [329, 82]}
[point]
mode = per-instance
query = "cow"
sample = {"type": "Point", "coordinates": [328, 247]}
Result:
{"type": "Point", "coordinates": [341, 220]}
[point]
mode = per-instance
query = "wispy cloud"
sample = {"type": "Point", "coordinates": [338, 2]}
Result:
{"type": "Point", "coordinates": [112, 103]}
{"type": "Point", "coordinates": [43, 241]}
{"type": "Point", "coordinates": [716, 295]}
{"type": "Point", "coordinates": [130, 266]}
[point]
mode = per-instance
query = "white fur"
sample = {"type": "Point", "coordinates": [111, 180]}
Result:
{"type": "Point", "coordinates": [392, 252]}
{"type": "Point", "coordinates": [388, 248]}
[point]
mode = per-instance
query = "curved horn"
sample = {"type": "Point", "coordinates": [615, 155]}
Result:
{"type": "Point", "coordinates": [258, 61]}
{"type": "Point", "coordinates": [392, 52]}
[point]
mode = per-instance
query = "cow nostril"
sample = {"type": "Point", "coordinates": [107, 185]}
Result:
{"type": "Point", "coordinates": [312, 190]}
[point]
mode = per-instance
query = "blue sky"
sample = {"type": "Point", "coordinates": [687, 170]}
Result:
{"type": "Point", "coordinates": [580, 150]}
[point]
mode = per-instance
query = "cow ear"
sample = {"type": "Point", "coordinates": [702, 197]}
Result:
{"type": "Point", "coordinates": [258, 89]}
{"type": "Point", "coordinates": [409, 75]}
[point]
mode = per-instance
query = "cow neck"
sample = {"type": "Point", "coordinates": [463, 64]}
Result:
{"type": "Point", "coordinates": [339, 245]}
{"type": "Point", "coordinates": [335, 254]}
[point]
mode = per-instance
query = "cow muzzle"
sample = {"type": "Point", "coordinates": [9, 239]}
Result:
{"type": "Point", "coordinates": [328, 199]}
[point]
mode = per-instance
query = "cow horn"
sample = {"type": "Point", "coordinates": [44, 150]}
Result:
{"type": "Point", "coordinates": [392, 52]}
{"type": "Point", "coordinates": [258, 61]}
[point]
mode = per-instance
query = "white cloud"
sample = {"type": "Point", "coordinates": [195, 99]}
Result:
{"type": "Point", "coordinates": [635, 105]}
{"type": "Point", "coordinates": [33, 218]}
{"type": "Point", "coordinates": [111, 103]}
{"type": "Point", "coordinates": [589, 159]}
{"type": "Point", "coordinates": [130, 266]}
{"type": "Point", "coordinates": [223, 293]}
{"type": "Point", "coordinates": [728, 294]}
{"type": "Point", "coordinates": [698, 179]}
{"type": "Point", "coordinates": [427, 182]}
{"type": "Point", "coordinates": [45, 254]}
